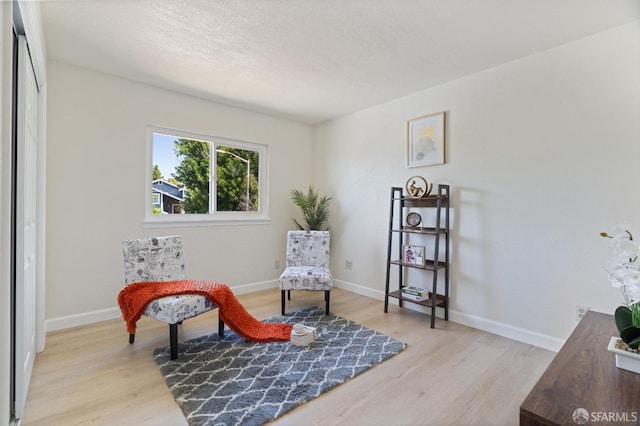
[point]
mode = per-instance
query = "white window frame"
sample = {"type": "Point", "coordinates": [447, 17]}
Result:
{"type": "Point", "coordinates": [215, 218]}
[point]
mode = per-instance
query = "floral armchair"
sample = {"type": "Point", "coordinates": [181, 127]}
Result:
{"type": "Point", "coordinates": [307, 265]}
{"type": "Point", "coordinates": [162, 259]}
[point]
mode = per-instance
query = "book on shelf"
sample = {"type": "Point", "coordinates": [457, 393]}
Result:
{"type": "Point", "coordinates": [414, 298]}
{"type": "Point", "coordinates": [416, 291]}
{"type": "Point", "coordinates": [416, 294]}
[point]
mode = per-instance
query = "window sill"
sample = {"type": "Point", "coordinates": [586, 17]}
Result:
{"type": "Point", "coordinates": [203, 220]}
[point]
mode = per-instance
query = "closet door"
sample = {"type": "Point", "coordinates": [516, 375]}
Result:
{"type": "Point", "coordinates": [26, 241]}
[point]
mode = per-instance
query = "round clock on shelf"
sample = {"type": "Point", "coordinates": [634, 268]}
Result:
{"type": "Point", "coordinates": [413, 219]}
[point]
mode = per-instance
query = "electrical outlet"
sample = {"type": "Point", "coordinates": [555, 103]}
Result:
{"type": "Point", "coordinates": [348, 265]}
{"type": "Point", "coordinates": [581, 310]}
{"type": "Point", "coordinates": [277, 263]}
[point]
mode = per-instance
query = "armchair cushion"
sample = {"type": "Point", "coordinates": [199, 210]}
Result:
{"type": "Point", "coordinates": [173, 309]}
{"type": "Point", "coordinates": [306, 278]}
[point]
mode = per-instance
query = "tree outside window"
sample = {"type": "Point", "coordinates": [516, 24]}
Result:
{"type": "Point", "coordinates": [186, 171]}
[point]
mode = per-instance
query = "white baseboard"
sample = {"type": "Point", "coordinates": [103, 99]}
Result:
{"type": "Point", "coordinates": [515, 333]}
{"type": "Point", "coordinates": [77, 320]}
{"type": "Point", "coordinates": [358, 289]}
{"type": "Point", "coordinates": [501, 329]}
{"type": "Point", "coordinates": [252, 287]}
{"type": "Point", "coordinates": [85, 318]}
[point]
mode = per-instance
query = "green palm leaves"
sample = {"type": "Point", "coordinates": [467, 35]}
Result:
{"type": "Point", "coordinates": [629, 333]}
{"type": "Point", "coordinates": [315, 209]}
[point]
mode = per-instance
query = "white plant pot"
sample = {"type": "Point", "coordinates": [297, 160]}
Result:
{"type": "Point", "coordinates": [626, 360]}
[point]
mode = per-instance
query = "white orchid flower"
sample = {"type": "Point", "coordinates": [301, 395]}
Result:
{"type": "Point", "coordinates": [624, 267]}
{"type": "Point", "coordinates": [628, 248]}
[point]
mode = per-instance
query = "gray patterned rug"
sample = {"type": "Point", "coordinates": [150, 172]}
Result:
{"type": "Point", "coordinates": [236, 382]}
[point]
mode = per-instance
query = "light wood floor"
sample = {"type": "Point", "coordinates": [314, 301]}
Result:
{"type": "Point", "coordinates": [450, 375]}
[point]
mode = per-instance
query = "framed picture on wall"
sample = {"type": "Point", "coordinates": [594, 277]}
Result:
{"type": "Point", "coordinates": [425, 140]}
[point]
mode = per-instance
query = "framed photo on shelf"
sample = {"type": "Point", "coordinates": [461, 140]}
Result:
{"type": "Point", "coordinates": [413, 255]}
{"type": "Point", "coordinates": [425, 140]}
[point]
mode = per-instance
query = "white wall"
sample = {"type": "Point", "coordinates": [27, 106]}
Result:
{"type": "Point", "coordinates": [542, 154]}
{"type": "Point", "coordinates": [96, 188]}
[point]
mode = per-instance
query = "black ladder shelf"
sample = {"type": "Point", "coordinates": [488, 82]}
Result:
{"type": "Point", "coordinates": [400, 233]}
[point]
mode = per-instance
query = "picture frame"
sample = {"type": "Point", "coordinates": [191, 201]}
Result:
{"type": "Point", "coordinates": [413, 255]}
{"type": "Point", "coordinates": [426, 140]}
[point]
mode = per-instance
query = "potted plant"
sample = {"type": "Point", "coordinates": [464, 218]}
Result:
{"type": "Point", "coordinates": [624, 273]}
{"type": "Point", "coordinates": [315, 209]}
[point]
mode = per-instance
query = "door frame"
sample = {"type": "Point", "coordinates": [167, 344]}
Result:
{"type": "Point", "coordinates": [25, 232]}
{"type": "Point", "coordinates": [24, 18]}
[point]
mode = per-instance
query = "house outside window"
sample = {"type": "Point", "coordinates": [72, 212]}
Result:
{"type": "Point", "coordinates": [197, 179]}
{"type": "Point", "coordinates": [167, 197]}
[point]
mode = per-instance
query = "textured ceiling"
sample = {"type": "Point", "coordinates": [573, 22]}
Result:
{"type": "Point", "coordinates": [313, 60]}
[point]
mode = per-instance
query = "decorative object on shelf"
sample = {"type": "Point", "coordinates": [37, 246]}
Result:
{"type": "Point", "coordinates": [425, 140]}
{"type": "Point", "coordinates": [414, 219]}
{"type": "Point", "coordinates": [315, 209]}
{"type": "Point", "coordinates": [418, 187]}
{"type": "Point", "coordinates": [624, 273]}
{"type": "Point", "coordinates": [626, 358]}
{"type": "Point", "coordinates": [413, 255]}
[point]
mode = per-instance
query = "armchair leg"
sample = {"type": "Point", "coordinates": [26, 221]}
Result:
{"type": "Point", "coordinates": [132, 338]}
{"type": "Point", "coordinates": [220, 327]}
{"type": "Point", "coordinates": [283, 297]}
{"type": "Point", "coordinates": [327, 294]}
{"type": "Point", "coordinates": [173, 340]}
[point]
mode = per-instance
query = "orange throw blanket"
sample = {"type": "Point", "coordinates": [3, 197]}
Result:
{"type": "Point", "coordinates": [134, 298]}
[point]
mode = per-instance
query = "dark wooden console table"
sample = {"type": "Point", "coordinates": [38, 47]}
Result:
{"type": "Point", "coordinates": [584, 375]}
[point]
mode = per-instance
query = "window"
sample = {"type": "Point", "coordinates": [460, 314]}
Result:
{"type": "Point", "coordinates": [194, 179]}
